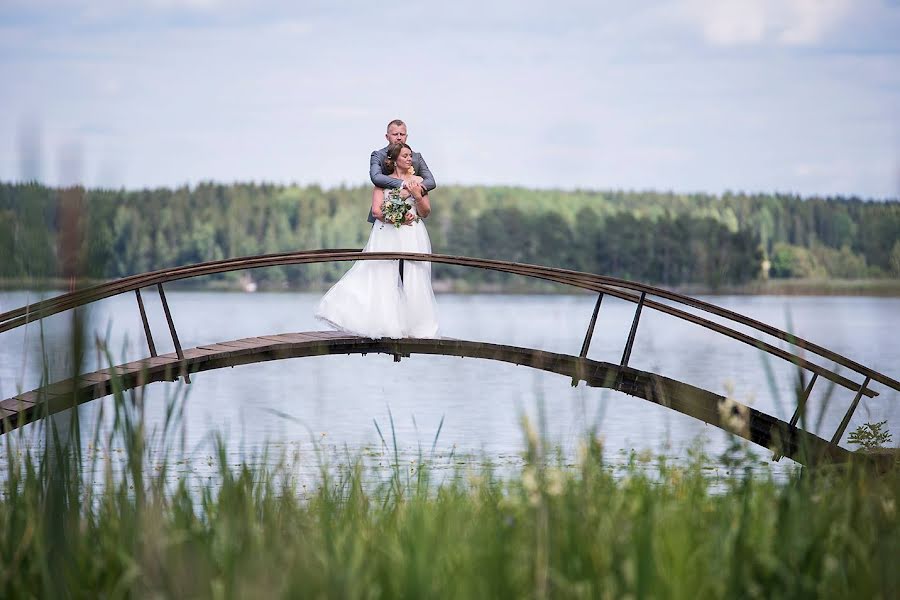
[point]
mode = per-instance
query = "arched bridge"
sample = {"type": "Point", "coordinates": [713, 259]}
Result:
{"type": "Point", "coordinates": [786, 438]}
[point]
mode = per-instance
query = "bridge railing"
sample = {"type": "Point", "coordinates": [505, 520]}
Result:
{"type": "Point", "coordinates": [640, 294]}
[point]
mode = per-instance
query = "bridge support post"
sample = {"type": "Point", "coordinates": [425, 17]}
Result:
{"type": "Point", "coordinates": [590, 331]}
{"type": "Point", "coordinates": [178, 352]}
{"type": "Point", "coordinates": [589, 335]}
{"type": "Point", "coordinates": [634, 324]}
{"type": "Point", "coordinates": [626, 355]}
{"type": "Point", "coordinates": [147, 333]}
{"type": "Point", "coordinates": [846, 421]}
{"type": "Point", "coordinates": [801, 404]}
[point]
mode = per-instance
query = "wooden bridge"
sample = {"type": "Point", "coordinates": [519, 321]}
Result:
{"type": "Point", "coordinates": [784, 438]}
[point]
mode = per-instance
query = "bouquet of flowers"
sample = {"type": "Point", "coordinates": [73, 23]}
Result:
{"type": "Point", "coordinates": [395, 208]}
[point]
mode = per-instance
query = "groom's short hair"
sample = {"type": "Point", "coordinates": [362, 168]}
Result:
{"type": "Point", "coordinates": [396, 122]}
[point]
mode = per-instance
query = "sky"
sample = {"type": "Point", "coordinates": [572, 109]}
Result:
{"type": "Point", "coordinates": [794, 96]}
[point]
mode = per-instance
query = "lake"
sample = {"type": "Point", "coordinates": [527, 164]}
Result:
{"type": "Point", "coordinates": [335, 401]}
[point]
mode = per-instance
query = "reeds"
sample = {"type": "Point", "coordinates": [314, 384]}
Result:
{"type": "Point", "coordinates": [85, 525]}
{"type": "Point", "coordinates": [96, 510]}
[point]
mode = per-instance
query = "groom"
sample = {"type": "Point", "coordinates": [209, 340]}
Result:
{"type": "Point", "coordinates": [396, 133]}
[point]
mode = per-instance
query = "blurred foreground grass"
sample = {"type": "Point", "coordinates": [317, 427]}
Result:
{"type": "Point", "coordinates": [77, 524]}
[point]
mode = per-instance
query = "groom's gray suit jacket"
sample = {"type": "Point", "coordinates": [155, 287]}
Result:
{"type": "Point", "coordinates": [379, 179]}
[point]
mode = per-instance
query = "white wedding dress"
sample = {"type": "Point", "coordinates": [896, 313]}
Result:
{"type": "Point", "coordinates": [370, 300]}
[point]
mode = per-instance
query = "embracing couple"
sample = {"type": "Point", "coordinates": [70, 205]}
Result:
{"type": "Point", "coordinates": [373, 299]}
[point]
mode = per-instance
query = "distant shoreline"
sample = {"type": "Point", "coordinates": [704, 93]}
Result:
{"type": "Point", "coordinates": [804, 287]}
{"type": "Point", "coordinates": [771, 287]}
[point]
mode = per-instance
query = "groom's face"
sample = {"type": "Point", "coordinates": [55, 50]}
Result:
{"type": "Point", "coordinates": [396, 134]}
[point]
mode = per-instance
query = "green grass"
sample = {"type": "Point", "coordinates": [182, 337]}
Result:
{"type": "Point", "coordinates": [116, 515]}
{"type": "Point", "coordinates": [83, 524]}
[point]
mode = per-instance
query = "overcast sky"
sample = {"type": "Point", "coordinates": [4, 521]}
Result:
{"type": "Point", "coordinates": [687, 95]}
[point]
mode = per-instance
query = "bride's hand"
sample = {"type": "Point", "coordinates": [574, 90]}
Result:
{"type": "Point", "coordinates": [416, 190]}
{"type": "Point", "coordinates": [409, 219]}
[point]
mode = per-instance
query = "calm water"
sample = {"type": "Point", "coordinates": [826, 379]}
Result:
{"type": "Point", "coordinates": [336, 400]}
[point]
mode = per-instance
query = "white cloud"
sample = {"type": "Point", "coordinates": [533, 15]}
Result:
{"type": "Point", "coordinates": [790, 22]}
{"type": "Point", "coordinates": [811, 20]}
{"type": "Point", "coordinates": [730, 22]}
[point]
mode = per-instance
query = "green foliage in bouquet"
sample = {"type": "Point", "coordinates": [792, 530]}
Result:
{"type": "Point", "coordinates": [395, 208]}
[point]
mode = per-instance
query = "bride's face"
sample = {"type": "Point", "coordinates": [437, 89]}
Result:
{"type": "Point", "coordinates": [404, 159]}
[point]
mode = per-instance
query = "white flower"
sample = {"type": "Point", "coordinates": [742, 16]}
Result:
{"type": "Point", "coordinates": [889, 507]}
{"type": "Point", "coordinates": [735, 417]}
{"type": "Point", "coordinates": [529, 480]}
{"type": "Point", "coordinates": [531, 434]}
{"type": "Point", "coordinates": [556, 482]}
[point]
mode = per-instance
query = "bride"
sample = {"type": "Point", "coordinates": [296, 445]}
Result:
{"type": "Point", "coordinates": [371, 299]}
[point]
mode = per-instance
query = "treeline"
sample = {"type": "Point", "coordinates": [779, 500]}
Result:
{"type": "Point", "coordinates": [663, 238]}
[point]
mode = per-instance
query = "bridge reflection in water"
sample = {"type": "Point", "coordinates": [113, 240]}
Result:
{"type": "Point", "coordinates": [785, 438]}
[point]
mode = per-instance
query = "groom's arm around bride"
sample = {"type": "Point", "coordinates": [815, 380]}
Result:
{"type": "Point", "coordinates": [396, 132]}
{"type": "Point", "coordinates": [383, 181]}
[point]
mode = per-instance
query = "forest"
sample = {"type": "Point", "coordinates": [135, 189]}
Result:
{"type": "Point", "coordinates": [656, 237]}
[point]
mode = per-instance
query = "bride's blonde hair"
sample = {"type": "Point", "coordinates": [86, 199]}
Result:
{"type": "Point", "coordinates": [390, 161]}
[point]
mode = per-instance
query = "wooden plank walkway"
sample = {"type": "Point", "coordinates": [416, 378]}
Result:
{"type": "Point", "coordinates": [706, 406]}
